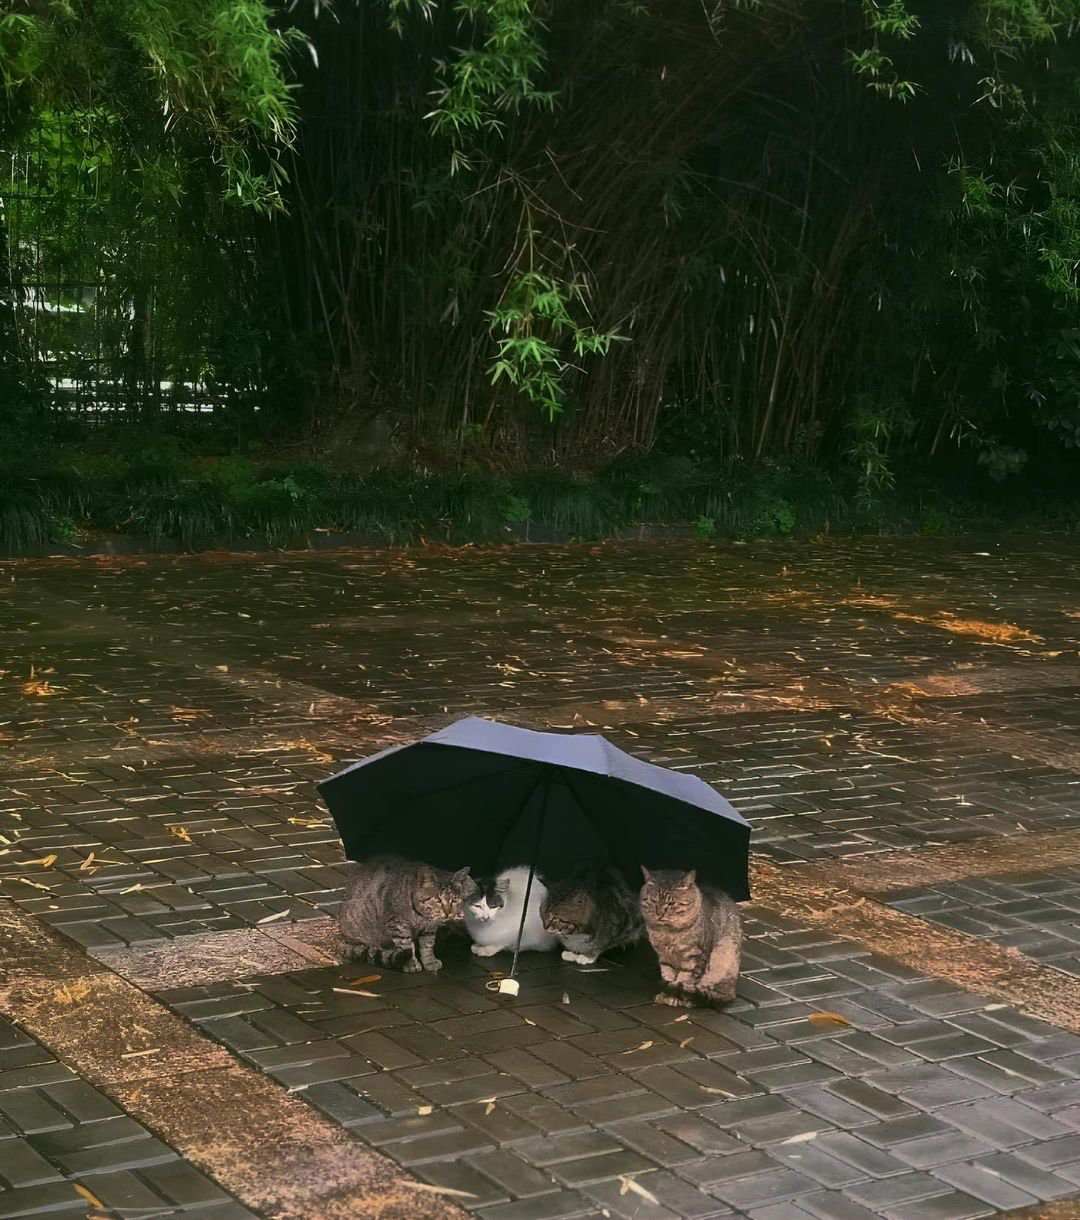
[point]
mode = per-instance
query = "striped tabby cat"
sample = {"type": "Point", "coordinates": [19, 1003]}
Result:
{"type": "Point", "coordinates": [697, 934]}
{"type": "Point", "coordinates": [392, 907]}
{"type": "Point", "coordinates": [591, 913]}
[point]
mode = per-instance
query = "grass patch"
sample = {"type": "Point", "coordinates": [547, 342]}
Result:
{"type": "Point", "coordinates": [156, 491]}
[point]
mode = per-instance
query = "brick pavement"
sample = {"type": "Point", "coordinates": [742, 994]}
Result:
{"type": "Point", "coordinates": [167, 720]}
{"type": "Point", "coordinates": [64, 1147]}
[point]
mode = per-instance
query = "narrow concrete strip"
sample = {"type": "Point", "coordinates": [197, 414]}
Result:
{"type": "Point", "coordinates": [812, 896]}
{"type": "Point", "coordinates": [994, 856]}
{"type": "Point", "coordinates": [211, 957]}
{"type": "Point", "coordinates": [1063, 1209]}
{"type": "Point", "coordinates": [270, 1150]}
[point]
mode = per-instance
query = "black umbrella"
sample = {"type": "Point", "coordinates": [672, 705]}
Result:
{"type": "Point", "coordinates": [492, 796]}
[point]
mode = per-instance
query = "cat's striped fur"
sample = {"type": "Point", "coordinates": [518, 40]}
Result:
{"type": "Point", "coordinates": [591, 913]}
{"type": "Point", "coordinates": [697, 934]}
{"type": "Point", "coordinates": [393, 908]}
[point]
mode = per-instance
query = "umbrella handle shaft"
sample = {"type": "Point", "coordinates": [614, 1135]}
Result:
{"type": "Point", "coordinates": [532, 874]}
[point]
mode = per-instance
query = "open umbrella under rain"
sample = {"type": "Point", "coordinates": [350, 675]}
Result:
{"type": "Point", "coordinates": [491, 796]}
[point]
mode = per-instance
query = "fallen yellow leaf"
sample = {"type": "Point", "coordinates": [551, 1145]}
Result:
{"type": "Point", "coordinates": [368, 978]}
{"type": "Point", "coordinates": [424, 1110]}
{"type": "Point", "coordinates": [48, 861]}
{"type": "Point", "coordinates": [88, 1195]}
{"type": "Point", "coordinates": [39, 688]}
{"type": "Point", "coordinates": [629, 1185]}
{"type": "Point", "coordinates": [180, 832]}
{"type": "Point", "coordinates": [634, 1049]}
{"type": "Point", "coordinates": [825, 1020]}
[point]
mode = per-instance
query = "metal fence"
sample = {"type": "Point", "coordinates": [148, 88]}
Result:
{"type": "Point", "coordinates": [85, 298]}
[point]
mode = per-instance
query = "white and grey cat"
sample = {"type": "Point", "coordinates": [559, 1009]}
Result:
{"type": "Point", "coordinates": [697, 934]}
{"type": "Point", "coordinates": [492, 916]}
{"type": "Point", "coordinates": [591, 913]}
{"type": "Point", "coordinates": [393, 907]}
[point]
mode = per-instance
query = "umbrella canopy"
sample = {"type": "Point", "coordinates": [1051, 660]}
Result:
{"type": "Point", "coordinates": [491, 796]}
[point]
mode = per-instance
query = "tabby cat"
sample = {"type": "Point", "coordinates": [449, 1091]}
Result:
{"type": "Point", "coordinates": [592, 912]}
{"type": "Point", "coordinates": [697, 934]}
{"type": "Point", "coordinates": [394, 906]}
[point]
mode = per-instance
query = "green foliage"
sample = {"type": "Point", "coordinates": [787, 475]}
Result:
{"type": "Point", "coordinates": [480, 84]}
{"type": "Point", "coordinates": [535, 323]}
{"type": "Point", "coordinates": [494, 233]}
{"type": "Point", "coordinates": [203, 76]}
{"type": "Point", "coordinates": [876, 425]}
{"type": "Point", "coordinates": [157, 491]}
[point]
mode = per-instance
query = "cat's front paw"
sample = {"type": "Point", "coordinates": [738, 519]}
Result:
{"type": "Point", "coordinates": [412, 967]}
{"type": "Point", "coordinates": [486, 950]}
{"type": "Point", "coordinates": [673, 1001]}
{"type": "Point", "coordinates": [582, 959]}
{"type": "Point", "coordinates": [433, 966]}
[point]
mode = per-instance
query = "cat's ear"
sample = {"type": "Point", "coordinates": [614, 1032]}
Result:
{"type": "Point", "coordinates": [690, 880]}
{"type": "Point", "coordinates": [645, 873]}
{"type": "Point", "coordinates": [462, 874]}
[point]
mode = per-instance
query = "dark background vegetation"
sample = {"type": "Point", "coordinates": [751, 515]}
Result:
{"type": "Point", "coordinates": [437, 270]}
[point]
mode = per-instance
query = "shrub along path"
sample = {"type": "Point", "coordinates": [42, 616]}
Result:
{"type": "Point", "coordinates": [897, 719]}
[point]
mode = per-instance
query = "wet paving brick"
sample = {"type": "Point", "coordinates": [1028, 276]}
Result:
{"type": "Point", "coordinates": [59, 1134]}
{"type": "Point", "coordinates": [1038, 914]}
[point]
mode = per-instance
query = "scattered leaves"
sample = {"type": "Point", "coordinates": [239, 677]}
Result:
{"type": "Point", "coordinates": [181, 833]}
{"type": "Point", "coordinates": [38, 687]}
{"type": "Point", "coordinates": [72, 993]}
{"type": "Point", "coordinates": [634, 1049]}
{"type": "Point", "coordinates": [36, 885]}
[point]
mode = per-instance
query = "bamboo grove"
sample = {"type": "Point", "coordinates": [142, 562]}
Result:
{"type": "Point", "coordinates": [542, 231]}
